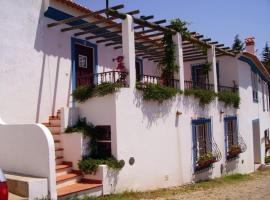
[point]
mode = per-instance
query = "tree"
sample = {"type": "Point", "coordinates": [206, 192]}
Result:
{"type": "Point", "coordinates": [238, 45]}
{"type": "Point", "coordinates": [266, 56]}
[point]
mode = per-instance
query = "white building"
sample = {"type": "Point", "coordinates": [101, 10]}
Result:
{"type": "Point", "coordinates": [43, 61]}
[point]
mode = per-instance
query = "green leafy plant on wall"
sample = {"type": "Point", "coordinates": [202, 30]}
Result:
{"type": "Point", "coordinates": [267, 159]}
{"type": "Point", "coordinates": [206, 67]}
{"type": "Point", "coordinates": [204, 96]}
{"type": "Point", "coordinates": [82, 93]}
{"type": "Point", "coordinates": [229, 98]}
{"type": "Point", "coordinates": [89, 164]}
{"type": "Point", "coordinates": [157, 92]}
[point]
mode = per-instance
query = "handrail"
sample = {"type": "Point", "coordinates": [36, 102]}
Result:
{"type": "Point", "coordinates": [174, 83]}
{"type": "Point", "coordinates": [98, 78]}
{"type": "Point", "coordinates": [222, 88]}
{"type": "Point", "coordinates": [193, 84]}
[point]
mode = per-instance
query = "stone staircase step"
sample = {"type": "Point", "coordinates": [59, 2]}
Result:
{"type": "Point", "coordinates": [55, 122]}
{"type": "Point", "coordinates": [59, 159]}
{"type": "Point", "coordinates": [67, 179]}
{"type": "Point", "coordinates": [54, 117]}
{"type": "Point", "coordinates": [79, 189]}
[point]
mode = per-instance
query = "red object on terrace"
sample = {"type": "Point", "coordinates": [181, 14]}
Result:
{"type": "Point", "coordinates": [3, 187]}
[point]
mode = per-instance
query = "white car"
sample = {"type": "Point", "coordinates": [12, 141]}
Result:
{"type": "Point", "coordinates": [3, 186]}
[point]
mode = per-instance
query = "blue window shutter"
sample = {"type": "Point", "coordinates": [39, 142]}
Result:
{"type": "Point", "coordinates": [194, 146]}
{"type": "Point", "coordinates": [210, 134]}
{"type": "Point", "coordinates": [226, 135]}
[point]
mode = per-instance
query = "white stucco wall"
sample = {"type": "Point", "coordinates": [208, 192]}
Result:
{"type": "Point", "coordinates": [161, 142]}
{"type": "Point", "coordinates": [250, 110]}
{"type": "Point", "coordinates": [35, 69]}
{"type": "Point", "coordinates": [28, 149]}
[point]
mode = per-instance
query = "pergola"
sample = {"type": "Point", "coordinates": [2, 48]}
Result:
{"type": "Point", "coordinates": [104, 27]}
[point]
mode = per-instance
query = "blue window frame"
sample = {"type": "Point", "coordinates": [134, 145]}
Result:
{"type": "Point", "coordinates": [231, 133]}
{"type": "Point", "coordinates": [202, 137]}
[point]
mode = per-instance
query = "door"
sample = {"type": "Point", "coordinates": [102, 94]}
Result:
{"type": "Point", "coordinates": [138, 70]}
{"type": "Point", "coordinates": [84, 65]}
{"type": "Point", "coordinates": [256, 141]}
{"type": "Point", "coordinates": [201, 77]}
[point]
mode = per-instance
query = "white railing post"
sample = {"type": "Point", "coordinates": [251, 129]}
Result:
{"type": "Point", "coordinates": [211, 56]}
{"type": "Point", "coordinates": [177, 38]}
{"type": "Point", "coordinates": [128, 43]}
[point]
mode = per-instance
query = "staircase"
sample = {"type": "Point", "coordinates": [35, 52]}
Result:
{"type": "Point", "coordinates": [69, 182]}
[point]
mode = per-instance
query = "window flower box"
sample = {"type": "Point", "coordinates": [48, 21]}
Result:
{"type": "Point", "coordinates": [234, 151]}
{"type": "Point", "coordinates": [205, 161]}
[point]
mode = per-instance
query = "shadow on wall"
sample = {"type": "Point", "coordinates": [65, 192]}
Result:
{"type": "Point", "coordinates": [203, 175]}
{"type": "Point", "coordinates": [52, 43]}
{"type": "Point", "coordinates": [231, 165]}
{"type": "Point", "coordinates": [112, 177]}
{"type": "Point", "coordinates": [152, 110]}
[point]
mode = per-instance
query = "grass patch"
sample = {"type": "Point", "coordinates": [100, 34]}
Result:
{"type": "Point", "coordinates": [204, 185]}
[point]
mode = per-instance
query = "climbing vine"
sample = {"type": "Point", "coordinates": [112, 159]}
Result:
{"type": "Point", "coordinates": [169, 61]}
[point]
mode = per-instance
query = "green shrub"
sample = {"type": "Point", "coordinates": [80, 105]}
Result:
{"type": "Point", "coordinates": [267, 159]}
{"type": "Point", "coordinates": [82, 93]}
{"type": "Point", "coordinates": [204, 96]}
{"type": "Point", "coordinates": [106, 88]}
{"type": "Point", "coordinates": [157, 92]}
{"type": "Point", "coordinates": [229, 98]}
{"type": "Point", "coordinates": [90, 165]}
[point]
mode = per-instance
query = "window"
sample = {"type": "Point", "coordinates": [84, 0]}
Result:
{"type": "Point", "coordinates": [266, 137]}
{"type": "Point", "coordinates": [231, 136]}
{"type": "Point", "coordinates": [104, 141]}
{"type": "Point", "coordinates": [82, 61]}
{"type": "Point", "coordinates": [267, 97]}
{"type": "Point", "coordinates": [202, 143]}
{"type": "Point", "coordinates": [263, 94]}
{"type": "Point", "coordinates": [254, 80]}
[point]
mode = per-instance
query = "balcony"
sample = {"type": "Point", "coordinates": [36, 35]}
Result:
{"type": "Point", "coordinates": [174, 83]}
{"type": "Point", "coordinates": [208, 86]}
{"type": "Point", "coordinates": [104, 77]}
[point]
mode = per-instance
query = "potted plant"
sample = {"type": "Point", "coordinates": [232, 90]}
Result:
{"type": "Point", "coordinates": [206, 160]}
{"type": "Point", "coordinates": [234, 151]}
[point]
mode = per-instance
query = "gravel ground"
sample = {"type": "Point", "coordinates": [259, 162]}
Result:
{"type": "Point", "coordinates": [256, 189]}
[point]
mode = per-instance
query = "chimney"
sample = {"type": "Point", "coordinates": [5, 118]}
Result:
{"type": "Point", "coordinates": [250, 45]}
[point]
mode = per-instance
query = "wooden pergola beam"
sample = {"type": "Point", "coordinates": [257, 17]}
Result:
{"type": "Point", "coordinates": [195, 58]}
{"type": "Point", "coordinates": [119, 25]}
{"type": "Point", "coordinates": [72, 19]}
{"type": "Point", "coordinates": [102, 35]}
{"type": "Point", "coordinates": [118, 37]}
{"type": "Point", "coordinates": [105, 20]}
{"type": "Point", "coordinates": [94, 30]}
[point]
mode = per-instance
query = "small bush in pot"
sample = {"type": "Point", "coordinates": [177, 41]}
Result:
{"type": "Point", "coordinates": [206, 160]}
{"type": "Point", "coordinates": [234, 150]}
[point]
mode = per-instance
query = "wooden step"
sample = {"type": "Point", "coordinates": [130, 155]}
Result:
{"type": "Point", "coordinates": [76, 188]}
{"type": "Point", "coordinates": [57, 141]}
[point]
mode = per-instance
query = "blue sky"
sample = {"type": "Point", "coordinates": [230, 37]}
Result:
{"type": "Point", "coordinates": [219, 19]}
